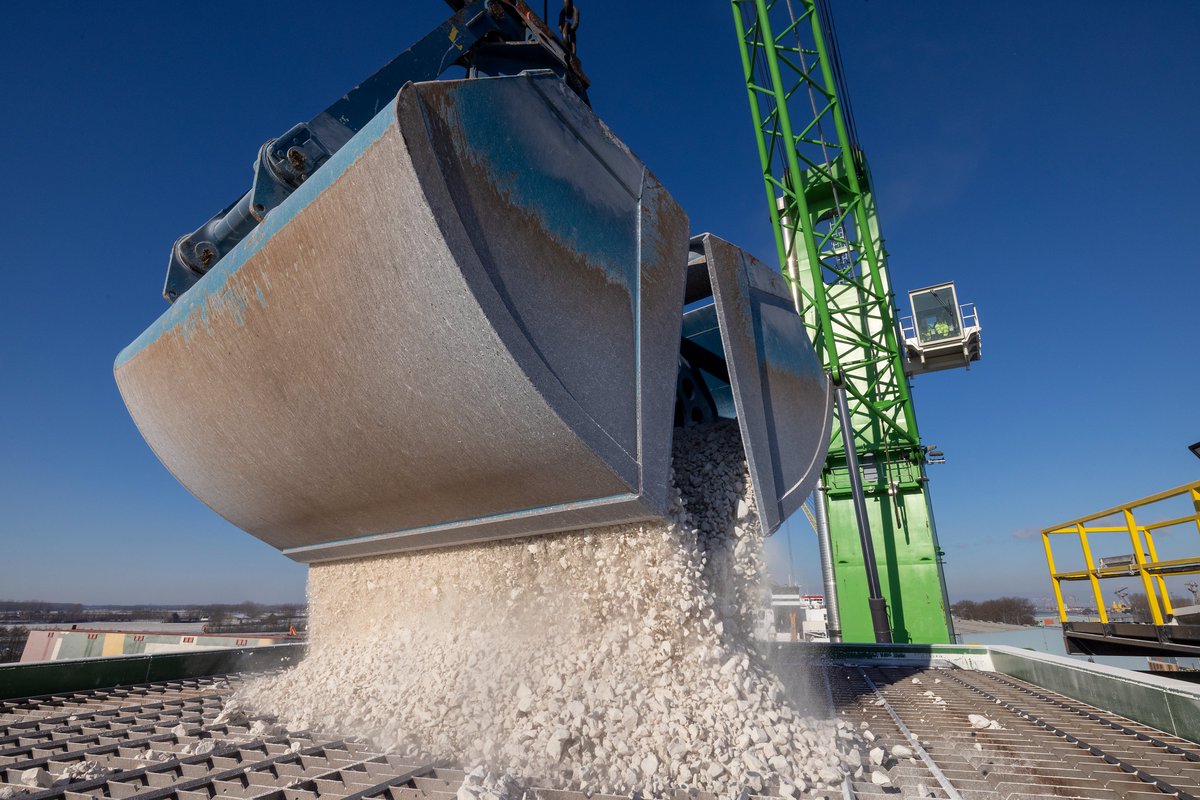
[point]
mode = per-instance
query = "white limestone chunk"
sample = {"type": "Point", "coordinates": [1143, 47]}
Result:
{"type": "Point", "coordinates": [36, 778]}
{"type": "Point", "coordinates": [83, 771]}
{"type": "Point", "coordinates": [232, 714]}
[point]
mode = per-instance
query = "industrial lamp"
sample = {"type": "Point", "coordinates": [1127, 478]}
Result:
{"type": "Point", "coordinates": [1195, 448]}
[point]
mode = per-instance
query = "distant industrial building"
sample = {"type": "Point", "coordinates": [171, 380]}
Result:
{"type": "Point", "coordinates": [55, 644]}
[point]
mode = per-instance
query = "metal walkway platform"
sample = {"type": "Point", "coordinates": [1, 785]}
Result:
{"type": "Point", "coordinates": [1046, 745]}
{"type": "Point", "coordinates": [1131, 639]}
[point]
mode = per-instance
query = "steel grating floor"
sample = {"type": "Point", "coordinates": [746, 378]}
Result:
{"type": "Point", "coordinates": [1047, 745]}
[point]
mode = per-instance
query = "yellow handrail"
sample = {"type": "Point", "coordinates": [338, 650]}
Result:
{"type": "Point", "coordinates": [1146, 563]}
{"type": "Point", "coordinates": [1194, 488]}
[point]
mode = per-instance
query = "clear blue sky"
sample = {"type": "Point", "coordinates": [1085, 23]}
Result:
{"type": "Point", "coordinates": [1044, 159]}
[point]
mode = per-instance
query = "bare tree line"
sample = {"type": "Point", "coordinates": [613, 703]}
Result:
{"type": "Point", "coordinates": [1010, 610]}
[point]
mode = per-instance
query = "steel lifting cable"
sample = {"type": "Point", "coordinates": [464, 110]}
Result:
{"type": "Point", "coordinates": [839, 72]}
{"type": "Point", "coordinates": [1122, 764]}
{"type": "Point", "coordinates": [844, 259]}
{"type": "Point", "coordinates": [759, 55]}
{"type": "Point", "coordinates": [812, 101]}
{"type": "Point", "coordinates": [847, 262]}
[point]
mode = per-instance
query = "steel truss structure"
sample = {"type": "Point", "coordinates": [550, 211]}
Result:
{"type": "Point", "coordinates": [829, 246]}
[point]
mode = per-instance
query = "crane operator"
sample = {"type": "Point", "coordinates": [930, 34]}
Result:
{"type": "Point", "coordinates": [568, 25]}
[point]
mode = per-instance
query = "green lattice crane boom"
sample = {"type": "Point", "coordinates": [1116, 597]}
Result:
{"type": "Point", "coordinates": [829, 246]}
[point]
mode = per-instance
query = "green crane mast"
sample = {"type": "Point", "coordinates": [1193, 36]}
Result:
{"type": "Point", "coordinates": [830, 249]}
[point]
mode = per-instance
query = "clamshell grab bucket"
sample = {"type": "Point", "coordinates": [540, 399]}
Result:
{"type": "Point", "coordinates": [452, 332]}
{"type": "Point", "coordinates": [468, 325]}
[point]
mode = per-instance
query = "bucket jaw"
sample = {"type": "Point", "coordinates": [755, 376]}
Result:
{"type": "Point", "coordinates": [448, 334]}
{"type": "Point", "coordinates": [744, 341]}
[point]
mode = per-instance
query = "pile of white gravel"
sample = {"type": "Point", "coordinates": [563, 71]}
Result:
{"type": "Point", "coordinates": [610, 660]}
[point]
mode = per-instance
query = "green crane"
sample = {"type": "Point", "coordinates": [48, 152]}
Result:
{"type": "Point", "coordinates": [830, 249]}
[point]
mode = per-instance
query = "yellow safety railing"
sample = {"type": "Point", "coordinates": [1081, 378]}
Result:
{"type": "Point", "coordinates": [1145, 561]}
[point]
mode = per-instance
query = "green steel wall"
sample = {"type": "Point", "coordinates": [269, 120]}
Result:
{"type": "Point", "coordinates": [909, 572]}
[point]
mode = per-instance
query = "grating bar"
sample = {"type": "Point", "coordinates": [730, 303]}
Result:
{"type": "Point", "coordinates": [233, 774]}
{"type": "Point", "coordinates": [1110, 722]}
{"type": "Point", "coordinates": [1047, 746]}
{"type": "Point", "coordinates": [1141, 774]}
{"type": "Point", "coordinates": [936, 771]}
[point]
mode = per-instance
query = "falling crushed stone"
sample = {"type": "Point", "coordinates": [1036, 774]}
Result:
{"type": "Point", "coordinates": [609, 660]}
